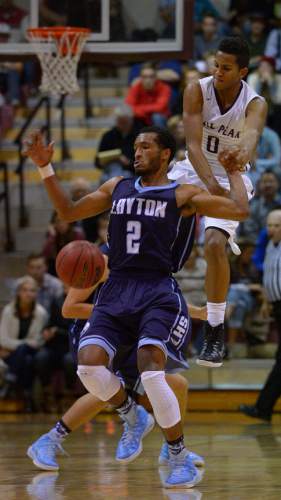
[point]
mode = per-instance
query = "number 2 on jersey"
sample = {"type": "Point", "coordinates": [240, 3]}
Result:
{"type": "Point", "coordinates": [133, 236]}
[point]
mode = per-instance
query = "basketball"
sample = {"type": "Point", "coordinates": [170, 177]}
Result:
{"type": "Point", "coordinates": [80, 264]}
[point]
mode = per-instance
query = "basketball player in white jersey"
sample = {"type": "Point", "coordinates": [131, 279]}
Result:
{"type": "Point", "coordinates": [223, 120]}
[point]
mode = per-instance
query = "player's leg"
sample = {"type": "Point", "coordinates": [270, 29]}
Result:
{"type": "Point", "coordinates": [151, 363]}
{"type": "Point", "coordinates": [45, 449]}
{"type": "Point", "coordinates": [96, 352]}
{"type": "Point", "coordinates": [217, 283]}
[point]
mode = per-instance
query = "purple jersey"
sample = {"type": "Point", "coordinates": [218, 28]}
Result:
{"type": "Point", "coordinates": [147, 233]}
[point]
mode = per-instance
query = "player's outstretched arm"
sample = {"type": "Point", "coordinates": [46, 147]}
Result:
{"type": "Point", "coordinates": [92, 204]}
{"type": "Point", "coordinates": [194, 199]}
{"type": "Point", "coordinates": [193, 124]}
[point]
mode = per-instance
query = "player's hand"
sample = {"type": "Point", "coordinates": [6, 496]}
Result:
{"type": "Point", "coordinates": [34, 148]}
{"type": "Point", "coordinates": [234, 159]}
{"type": "Point", "coordinates": [202, 313]}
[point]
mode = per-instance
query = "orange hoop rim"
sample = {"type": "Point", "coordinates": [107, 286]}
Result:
{"type": "Point", "coordinates": [57, 31]}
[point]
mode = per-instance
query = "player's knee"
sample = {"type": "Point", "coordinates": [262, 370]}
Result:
{"type": "Point", "coordinates": [150, 358]}
{"type": "Point", "coordinates": [93, 355]}
{"type": "Point", "coordinates": [215, 244]}
{"type": "Point", "coordinates": [99, 381]}
{"type": "Point", "coordinates": [177, 382]}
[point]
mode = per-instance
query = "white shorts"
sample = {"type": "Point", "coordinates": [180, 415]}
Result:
{"type": "Point", "coordinates": [184, 173]}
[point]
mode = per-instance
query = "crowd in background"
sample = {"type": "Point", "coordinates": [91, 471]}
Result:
{"type": "Point", "coordinates": [33, 334]}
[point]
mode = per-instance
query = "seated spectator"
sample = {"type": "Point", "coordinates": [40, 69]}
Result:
{"type": "Point", "coordinates": [268, 199]}
{"type": "Point", "coordinates": [268, 155]}
{"type": "Point", "coordinates": [200, 9]}
{"type": "Point", "coordinates": [168, 71]}
{"type": "Point", "coordinates": [102, 221]}
{"type": "Point", "coordinates": [257, 328]}
{"type": "Point", "coordinates": [256, 39]}
{"type": "Point", "coordinates": [59, 234]}
{"type": "Point", "coordinates": [80, 187]}
{"type": "Point", "coordinates": [167, 13]}
{"type": "Point", "coordinates": [13, 16]}
{"type": "Point", "coordinates": [49, 287]}
{"type": "Point", "coordinates": [115, 153]}
{"type": "Point", "coordinates": [10, 72]}
{"type": "Point", "coordinates": [272, 47]}
{"type": "Point", "coordinates": [266, 82]}
{"type": "Point", "coordinates": [55, 355]}
{"type": "Point", "coordinates": [150, 98]}
{"type": "Point", "coordinates": [240, 301]}
{"type": "Point", "coordinates": [176, 127]}
{"type": "Point", "coordinates": [21, 327]}
{"type": "Point", "coordinates": [208, 40]}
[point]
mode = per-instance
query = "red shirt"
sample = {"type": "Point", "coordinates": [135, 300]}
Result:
{"type": "Point", "coordinates": [12, 16]}
{"type": "Point", "coordinates": [146, 102]}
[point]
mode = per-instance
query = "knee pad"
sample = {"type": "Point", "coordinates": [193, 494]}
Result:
{"type": "Point", "coordinates": [99, 381]}
{"type": "Point", "coordinates": [163, 400]}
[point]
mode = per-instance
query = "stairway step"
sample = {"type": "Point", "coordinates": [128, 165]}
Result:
{"type": "Point", "coordinates": [72, 133]}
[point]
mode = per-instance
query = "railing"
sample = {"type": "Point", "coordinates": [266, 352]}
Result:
{"type": "Point", "coordinates": [23, 215]}
{"type": "Point", "coordinates": [5, 196]}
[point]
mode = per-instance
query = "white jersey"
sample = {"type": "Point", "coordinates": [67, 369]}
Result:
{"type": "Point", "coordinates": [221, 130]}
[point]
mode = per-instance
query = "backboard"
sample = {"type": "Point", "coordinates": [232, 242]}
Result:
{"type": "Point", "coordinates": [125, 28]}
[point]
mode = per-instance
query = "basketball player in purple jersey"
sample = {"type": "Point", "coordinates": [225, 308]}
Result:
{"type": "Point", "coordinates": [140, 295]}
{"type": "Point", "coordinates": [223, 120]}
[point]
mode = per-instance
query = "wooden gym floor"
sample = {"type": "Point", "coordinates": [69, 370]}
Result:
{"type": "Point", "coordinates": [243, 461]}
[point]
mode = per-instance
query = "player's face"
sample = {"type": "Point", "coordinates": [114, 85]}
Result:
{"type": "Point", "coordinates": [227, 73]}
{"type": "Point", "coordinates": [274, 226]}
{"type": "Point", "coordinates": [148, 154]}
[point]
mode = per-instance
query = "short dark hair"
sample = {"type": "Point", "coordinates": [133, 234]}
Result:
{"type": "Point", "coordinates": [164, 138]}
{"type": "Point", "coordinates": [237, 46]}
{"type": "Point", "coordinates": [35, 256]}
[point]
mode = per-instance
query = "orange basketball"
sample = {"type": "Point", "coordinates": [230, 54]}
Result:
{"type": "Point", "coordinates": [80, 264]}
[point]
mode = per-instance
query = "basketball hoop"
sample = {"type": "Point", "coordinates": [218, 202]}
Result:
{"type": "Point", "coordinates": [59, 50]}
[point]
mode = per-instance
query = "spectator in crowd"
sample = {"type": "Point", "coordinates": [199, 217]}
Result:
{"type": "Point", "coordinates": [268, 199]}
{"type": "Point", "coordinates": [21, 327]}
{"type": "Point", "coordinates": [10, 72]}
{"type": "Point", "coordinates": [271, 391]}
{"type": "Point", "coordinates": [240, 301]}
{"type": "Point", "coordinates": [206, 41]}
{"type": "Point", "coordinates": [257, 327]}
{"type": "Point", "coordinates": [150, 98]}
{"type": "Point", "coordinates": [115, 153]}
{"type": "Point", "coordinates": [102, 226]}
{"type": "Point", "coordinates": [176, 126]}
{"type": "Point", "coordinates": [49, 287]}
{"type": "Point", "coordinates": [55, 355]}
{"type": "Point", "coordinates": [268, 156]}
{"type": "Point", "coordinates": [167, 12]}
{"type": "Point", "coordinates": [14, 16]}
{"type": "Point", "coordinates": [200, 9]}
{"type": "Point", "coordinates": [80, 187]}
{"type": "Point", "coordinates": [191, 278]}
{"type": "Point", "coordinates": [256, 39]}
{"type": "Point", "coordinates": [59, 234]}
{"type": "Point", "coordinates": [273, 47]}
{"type": "Point", "coordinates": [266, 82]}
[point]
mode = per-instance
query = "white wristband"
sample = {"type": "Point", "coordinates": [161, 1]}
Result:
{"type": "Point", "coordinates": [46, 171]}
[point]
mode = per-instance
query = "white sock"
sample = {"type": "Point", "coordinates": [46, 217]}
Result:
{"type": "Point", "coordinates": [162, 399]}
{"type": "Point", "coordinates": [215, 313]}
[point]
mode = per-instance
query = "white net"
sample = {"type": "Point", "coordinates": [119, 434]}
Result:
{"type": "Point", "coordinates": [59, 53]}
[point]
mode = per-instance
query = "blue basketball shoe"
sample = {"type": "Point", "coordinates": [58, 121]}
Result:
{"type": "Point", "coordinates": [43, 453]}
{"type": "Point", "coordinates": [183, 473]}
{"type": "Point", "coordinates": [130, 444]}
{"type": "Point", "coordinates": [163, 459]}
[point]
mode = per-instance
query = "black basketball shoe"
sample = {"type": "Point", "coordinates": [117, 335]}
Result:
{"type": "Point", "coordinates": [213, 347]}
